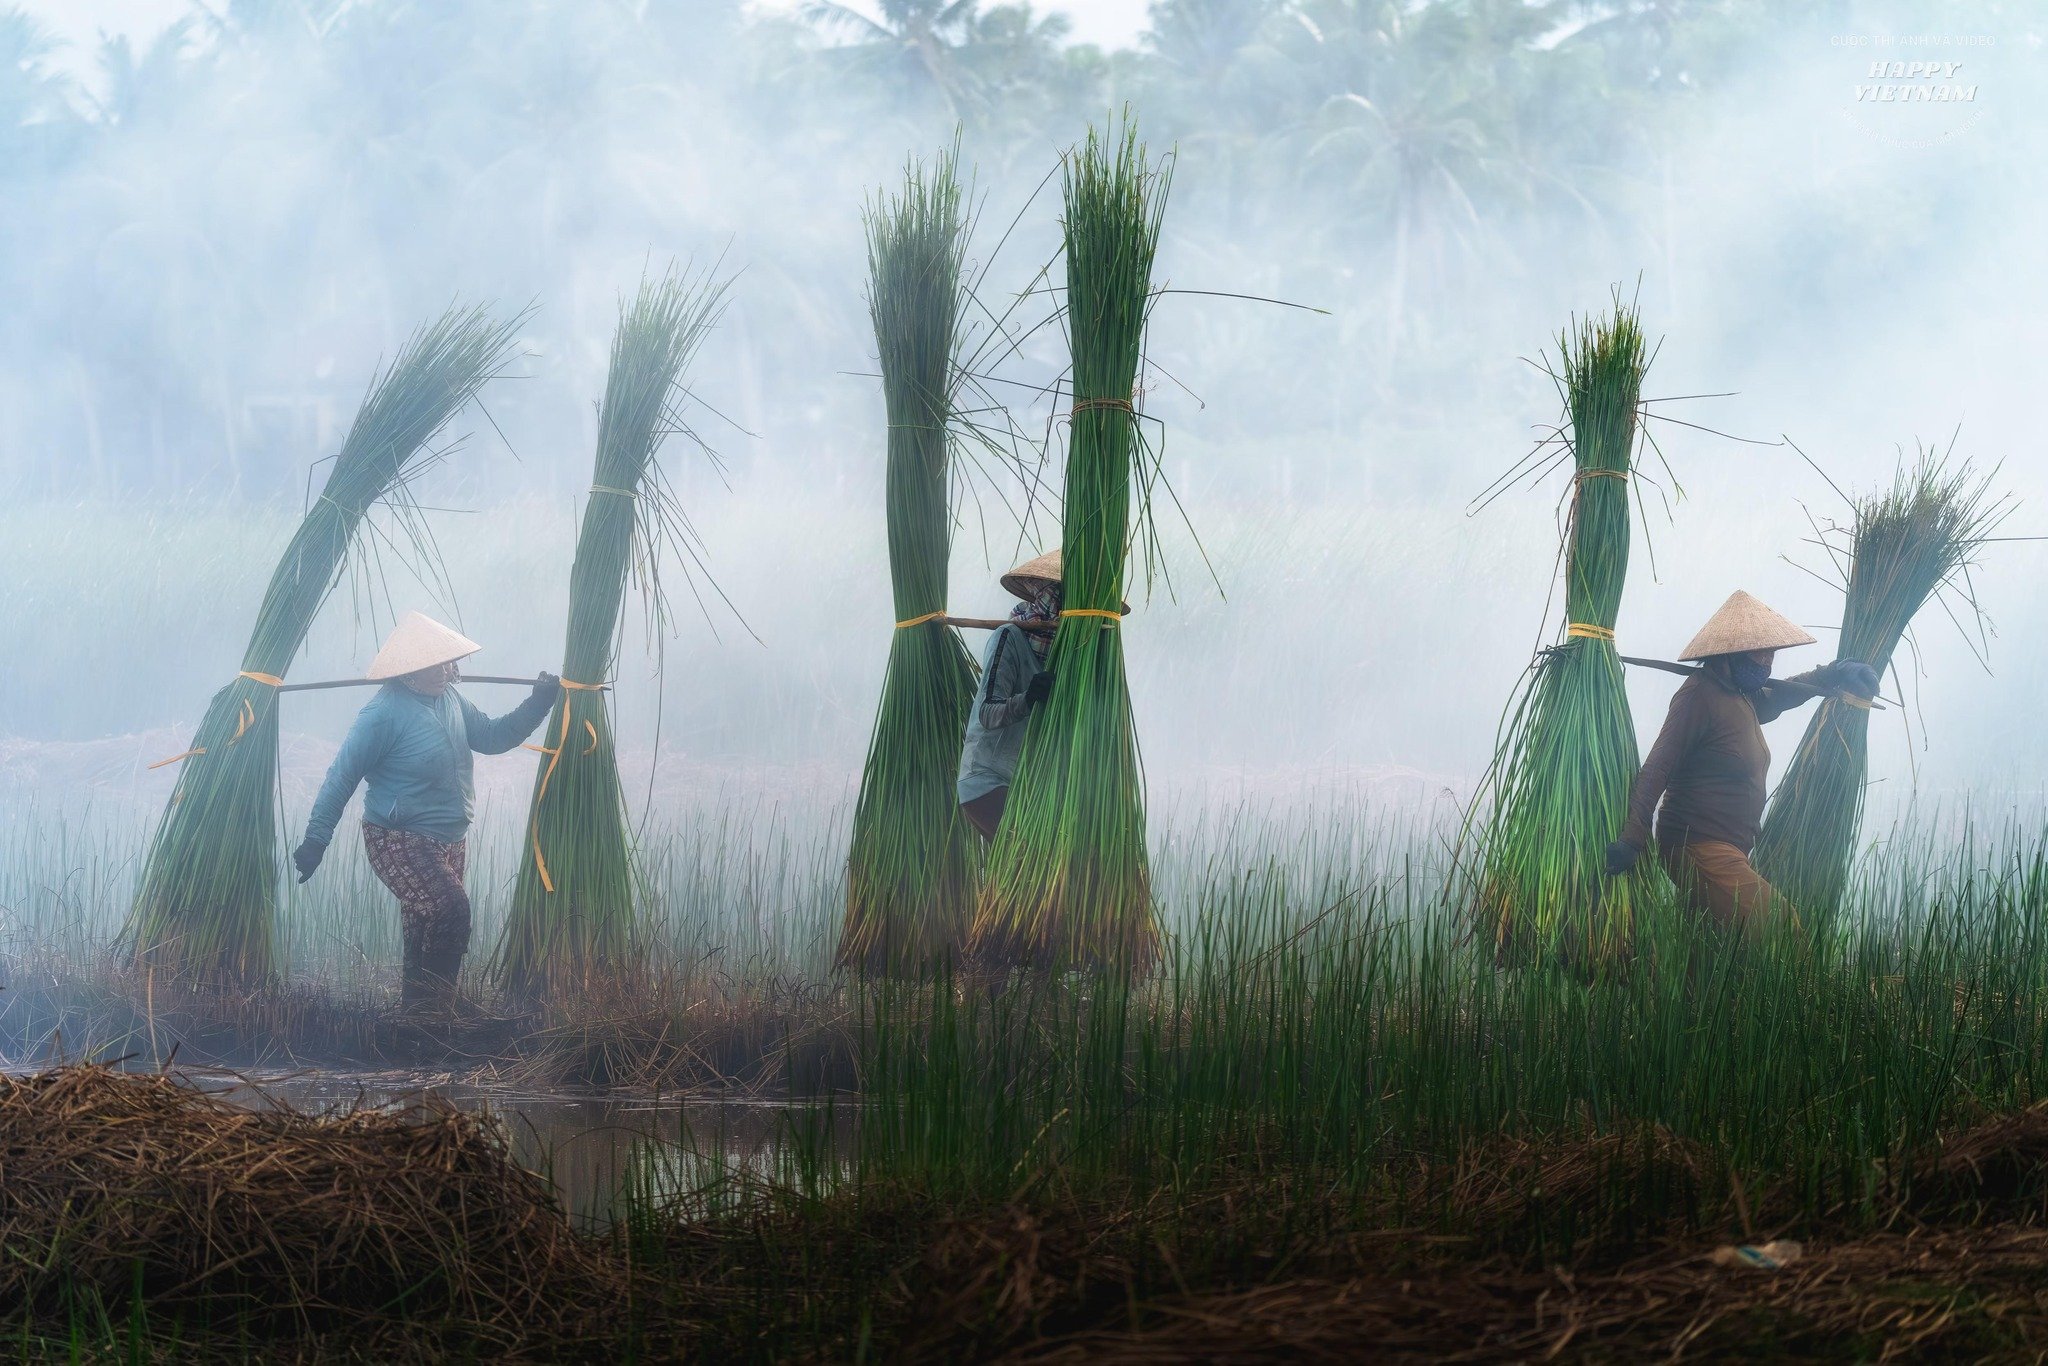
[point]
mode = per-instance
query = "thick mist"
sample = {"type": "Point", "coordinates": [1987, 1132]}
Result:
{"type": "Point", "coordinates": [209, 246]}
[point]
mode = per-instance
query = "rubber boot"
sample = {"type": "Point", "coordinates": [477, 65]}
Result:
{"type": "Point", "coordinates": [416, 984]}
{"type": "Point", "coordinates": [441, 971]}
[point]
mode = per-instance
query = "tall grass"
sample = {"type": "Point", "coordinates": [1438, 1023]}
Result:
{"type": "Point", "coordinates": [1567, 751]}
{"type": "Point", "coordinates": [573, 913]}
{"type": "Point", "coordinates": [913, 867]}
{"type": "Point", "coordinates": [1906, 545]}
{"type": "Point", "coordinates": [1349, 1046]}
{"type": "Point", "coordinates": [208, 900]}
{"type": "Point", "coordinates": [1067, 879]}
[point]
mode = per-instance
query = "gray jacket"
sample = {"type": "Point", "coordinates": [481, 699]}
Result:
{"type": "Point", "coordinates": [995, 723]}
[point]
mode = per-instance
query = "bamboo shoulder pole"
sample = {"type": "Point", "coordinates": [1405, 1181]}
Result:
{"type": "Point", "coordinates": [373, 682]}
{"type": "Point", "coordinates": [1045, 628]}
{"type": "Point", "coordinates": [1785, 685]}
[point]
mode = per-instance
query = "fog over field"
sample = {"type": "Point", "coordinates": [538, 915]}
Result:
{"type": "Point", "coordinates": [212, 233]}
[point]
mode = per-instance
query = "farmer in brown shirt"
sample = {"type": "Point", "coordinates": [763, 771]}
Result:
{"type": "Point", "coordinates": [1710, 762]}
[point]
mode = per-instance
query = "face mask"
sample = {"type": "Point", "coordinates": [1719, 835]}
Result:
{"type": "Point", "coordinates": [1747, 674]}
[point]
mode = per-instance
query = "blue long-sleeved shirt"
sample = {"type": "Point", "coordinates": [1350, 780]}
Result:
{"type": "Point", "coordinates": [995, 723]}
{"type": "Point", "coordinates": [415, 752]}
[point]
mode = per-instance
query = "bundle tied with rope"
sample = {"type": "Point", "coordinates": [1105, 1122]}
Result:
{"type": "Point", "coordinates": [1068, 882]}
{"type": "Point", "coordinates": [246, 721]}
{"type": "Point", "coordinates": [1904, 546]}
{"type": "Point", "coordinates": [914, 861]}
{"type": "Point", "coordinates": [575, 902]}
{"type": "Point", "coordinates": [207, 901]}
{"type": "Point", "coordinates": [1558, 786]}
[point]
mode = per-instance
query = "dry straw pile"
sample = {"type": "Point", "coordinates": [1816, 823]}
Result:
{"type": "Point", "coordinates": [118, 1185]}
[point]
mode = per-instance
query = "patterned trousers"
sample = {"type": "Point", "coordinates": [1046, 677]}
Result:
{"type": "Point", "coordinates": [426, 877]}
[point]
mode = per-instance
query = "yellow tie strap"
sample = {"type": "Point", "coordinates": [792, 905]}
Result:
{"type": "Point", "coordinates": [919, 621]}
{"type": "Point", "coordinates": [1860, 703]}
{"type": "Point", "coordinates": [1583, 475]}
{"type": "Point", "coordinates": [242, 722]}
{"type": "Point", "coordinates": [1113, 618]}
{"type": "Point", "coordinates": [1582, 630]}
{"type": "Point", "coordinates": [555, 757]}
{"type": "Point", "coordinates": [616, 493]}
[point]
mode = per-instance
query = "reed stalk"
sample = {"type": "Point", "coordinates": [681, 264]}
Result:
{"type": "Point", "coordinates": [1567, 751]}
{"type": "Point", "coordinates": [207, 903]}
{"type": "Point", "coordinates": [1905, 546]}
{"type": "Point", "coordinates": [572, 920]}
{"type": "Point", "coordinates": [914, 862]}
{"type": "Point", "coordinates": [1067, 880]}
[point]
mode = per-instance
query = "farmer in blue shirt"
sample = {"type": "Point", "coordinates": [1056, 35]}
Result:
{"type": "Point", "coordinates": [413, 743]}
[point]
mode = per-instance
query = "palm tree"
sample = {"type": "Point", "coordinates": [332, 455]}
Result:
{"type": "Point", "coordinates": [37, 118]}
{"type": "Point", "coordinates": [914, 39]}
{"type": "Point", "coordinates": [1198, 42]}
{"type": "Point", "coordinates": [1410, 114]}
{"type": "Point", "coordinates": [978, 63]}
{"type": "Point", "coordinates": [135, 85]}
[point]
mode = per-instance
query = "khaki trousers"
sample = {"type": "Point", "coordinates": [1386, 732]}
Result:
{"type": "Point", "coordinates": [1717, 879]}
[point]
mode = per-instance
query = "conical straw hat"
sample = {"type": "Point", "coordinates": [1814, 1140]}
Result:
{"type": "Point", "coordinates": [1744, 624]}
{"type": "Point", "coordinates": [419, 642]}
{"type": "Point", "coordinates": [1047, 568]}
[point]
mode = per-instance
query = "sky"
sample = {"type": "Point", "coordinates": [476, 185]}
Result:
{"type": "Point", "coordinates": [1108, 23]}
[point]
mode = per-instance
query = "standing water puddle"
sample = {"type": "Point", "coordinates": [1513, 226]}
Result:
{"type": "Point", "coordinates": [588, 1144]}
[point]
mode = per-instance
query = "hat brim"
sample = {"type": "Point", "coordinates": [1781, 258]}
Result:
{"type": "Point", "coordinates": [380, 673]}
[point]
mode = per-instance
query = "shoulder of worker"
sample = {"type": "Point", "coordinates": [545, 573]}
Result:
{"type": "Point", "coordinates": [1008, 631]}
{"type": "Point", "coordinates": [385, 700]}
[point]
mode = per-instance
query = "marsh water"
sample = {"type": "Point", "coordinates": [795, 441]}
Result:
{"type": "Point", "coordinates": [586, 1143]}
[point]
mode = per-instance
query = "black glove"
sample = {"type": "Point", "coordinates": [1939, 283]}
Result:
{"type": "Point", "coordinates": [1621, 856]}
{"type": "Point", "coordinates": [307, 857]}
{"type": "Point", "coordinates": [1039, 688]}
{"type": "Point", "coordinates": [547, 688]}
{"type": "Point", "coordinates": [1853, 675]}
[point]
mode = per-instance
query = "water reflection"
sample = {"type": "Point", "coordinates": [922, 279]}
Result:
{"type": "Point", "coordinates": [589, 1145]}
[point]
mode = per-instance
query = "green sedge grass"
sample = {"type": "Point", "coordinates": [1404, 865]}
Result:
{"type": "Point", "coordinates": [573, 914]}
{"type": "Point", "coordinates": [913, 868]}
{"type": "Point", "coordinates": [1567, 750]}
{"type": "Point", "coordinates": [207, 905]}
{"type": "Point", "coordinates": [1906, 545]}
{"type": "Point", "coordinates": [1067, 880]}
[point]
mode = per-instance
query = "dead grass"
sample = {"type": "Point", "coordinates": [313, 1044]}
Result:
{"type": "Point", "coordinates": [669, 1035]}
{"type": "Point", "coordinates": [116, 1186]}
{"type": "Point", "coordinates": [1953, 1295]}
{"type": "Point", "coordinates": [366, 1235]}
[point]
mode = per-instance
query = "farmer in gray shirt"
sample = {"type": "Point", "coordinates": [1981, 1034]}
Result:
{"type": "Point", "coordinates": [412, 742]}
{"type": "Point", "coordinates": [1014, 680]}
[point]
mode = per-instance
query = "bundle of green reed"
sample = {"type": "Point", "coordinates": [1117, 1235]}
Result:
{"type": "Point", "coordinates": [1067, 880]}
{"type": "Point", "coordinates": [1567, 751]}
{"type": "Point", "coordinates": [571, 922]}
{"type": "Point", "coordinates": [1905, 546]}
{"type": "Point", "coordinates": [208, 898]}
{"type": "Point", "coordinates": [912, 868]}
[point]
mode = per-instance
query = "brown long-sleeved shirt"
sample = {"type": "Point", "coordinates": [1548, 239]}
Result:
{"type": "Point", "coordinates": [1709, 765]}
